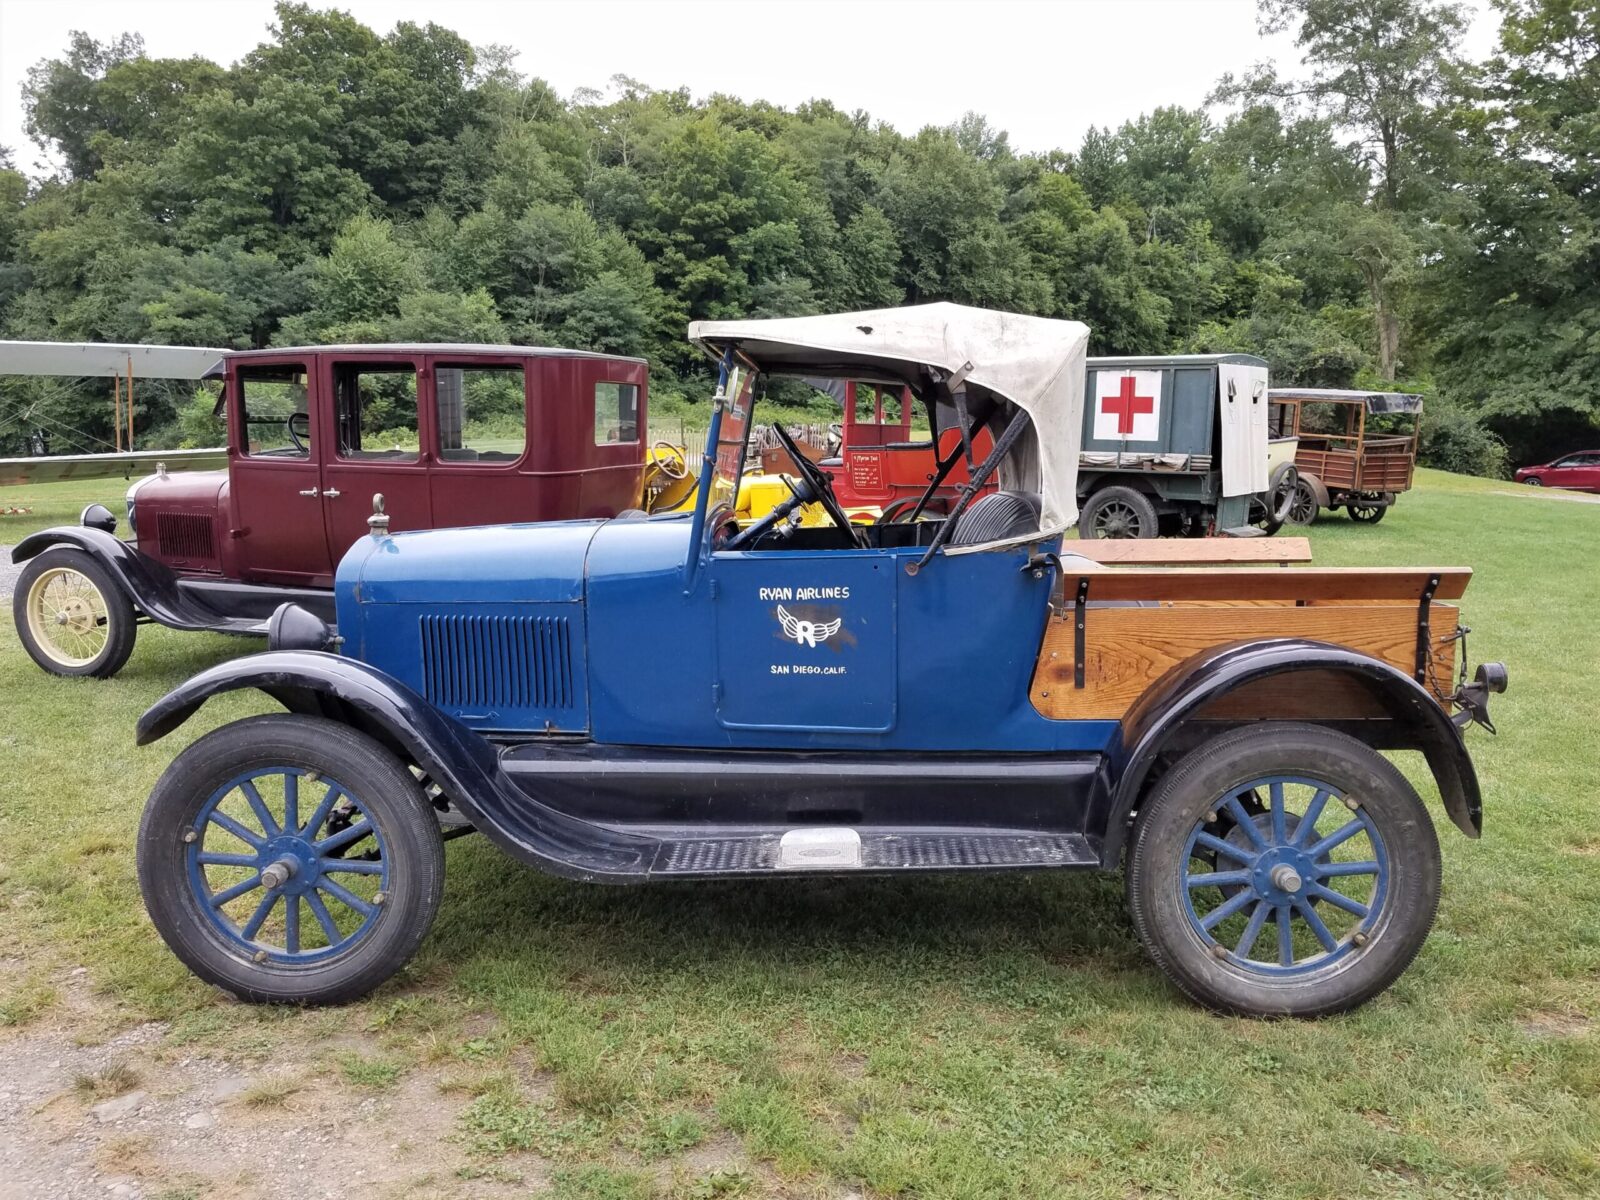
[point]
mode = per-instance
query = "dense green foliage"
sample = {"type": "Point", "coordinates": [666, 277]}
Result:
{"type": "Point", "coordinates": [1396, 213]}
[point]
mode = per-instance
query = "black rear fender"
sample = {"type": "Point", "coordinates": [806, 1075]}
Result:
{"type": "Point", "coordinates": [1184, 705]}
{"type": "Point", "coordinates": [464, 765]}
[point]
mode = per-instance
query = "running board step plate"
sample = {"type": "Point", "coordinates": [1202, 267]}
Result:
{"type": "Point", "coordinates": [829, 851]}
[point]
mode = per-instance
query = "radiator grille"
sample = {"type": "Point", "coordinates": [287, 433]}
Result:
{"type": "Point", "coordinates": [497, 662]}
{"type": "Point", "coordinates": [185, 536]}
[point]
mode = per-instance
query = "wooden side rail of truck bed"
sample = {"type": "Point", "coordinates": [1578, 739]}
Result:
{"type": "Point", "coordinates": [1192, 552]}
{"type": "Point", "coordinates": [1139, 623]}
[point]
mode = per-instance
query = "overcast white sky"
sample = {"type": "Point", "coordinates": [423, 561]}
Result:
{"type": "Point", "coordinates": [1043, 71]}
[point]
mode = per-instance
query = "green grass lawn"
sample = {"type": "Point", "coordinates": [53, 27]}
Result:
{"type": "Point", "coordinates": [997, 1036]}
{"type": "Point", "coordinates": [57, 504]}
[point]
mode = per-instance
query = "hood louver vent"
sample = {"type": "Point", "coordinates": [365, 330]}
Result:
{"type": "Point", "coordinates": [185, 537]}
{"type": "Point", "coordinates": [497, 665]}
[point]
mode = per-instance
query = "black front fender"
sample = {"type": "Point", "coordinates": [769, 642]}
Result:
{"type": "Point", "coordinates": [107, 547]}
{"type": "Point", "coordinates": [464, 765]}
{"type": "Point", "coordinates": [1415, 721]}
{"type": "Point", "coordinates": [152, 586]}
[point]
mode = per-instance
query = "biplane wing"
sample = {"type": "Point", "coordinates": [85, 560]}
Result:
{"type": "Point", "coordinates": [117, 361]}
{"type": "Point", "coordinates": [15, 472]}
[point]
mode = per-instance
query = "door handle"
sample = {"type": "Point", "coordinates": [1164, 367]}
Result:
{"type": "Point", "coordinates": [312, 492]}
{"type": "Point", "coordinates": [332, 494]}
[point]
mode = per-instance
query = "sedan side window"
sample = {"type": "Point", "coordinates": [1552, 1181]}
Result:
{"type": "Point", "coordinates": [375, 405]}
{"type": "Point", "coordinates": [616, 413]}
{"type": "Point", "coordinates": [276, 424]}
{"type": "Point", "coordinates": [483, 413]}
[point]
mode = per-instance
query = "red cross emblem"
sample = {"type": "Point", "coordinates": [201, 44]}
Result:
{"type": "Point", "coordinates": [1124, 406]}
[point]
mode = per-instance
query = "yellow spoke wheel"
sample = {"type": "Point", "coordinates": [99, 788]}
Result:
{"type": "Point", "coordinates": [72, 614]}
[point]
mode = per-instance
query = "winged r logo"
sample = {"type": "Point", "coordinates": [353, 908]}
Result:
{"type": "Point", "coordinates": [807, 633]}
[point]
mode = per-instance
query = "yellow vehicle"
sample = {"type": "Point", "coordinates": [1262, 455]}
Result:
{"type": "Point", "coordinates": [759, 494]}
{"type": "Point", "coordinates": [669, 485]}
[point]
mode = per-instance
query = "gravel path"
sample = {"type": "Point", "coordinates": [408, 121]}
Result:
{"type": "Point", "coordinates": [1542, 493]}
{"type": "Point", "coordinates": [143, 1116]}
{"type": "Point", "coordinates": [8, 573]}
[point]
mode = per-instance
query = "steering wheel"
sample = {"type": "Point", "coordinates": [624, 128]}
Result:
{"type": "Point", "coordinates": [294, 436]}
{"type": "Point", "coordinates": [669, 460]}
{"type": "Point", "coordinates": [821, 484]}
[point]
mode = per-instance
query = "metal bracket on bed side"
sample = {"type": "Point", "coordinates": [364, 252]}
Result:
{"type": "Point", "coordinates": [1424, 634]}
{"type": "Point", "coordinates": [1080, 612]}
{"type": "Point", "coordinates": [1043, 561]}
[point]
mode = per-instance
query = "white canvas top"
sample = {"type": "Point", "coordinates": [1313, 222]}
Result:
{"type": "Point", "coordinates": [1034, 363]}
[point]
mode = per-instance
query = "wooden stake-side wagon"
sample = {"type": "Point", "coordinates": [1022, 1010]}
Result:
{"type": "Point", "coordinates": [1356, 469]}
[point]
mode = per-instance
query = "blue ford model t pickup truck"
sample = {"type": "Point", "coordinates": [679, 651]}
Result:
{"type": "Point", "coordinates": [953, 693]}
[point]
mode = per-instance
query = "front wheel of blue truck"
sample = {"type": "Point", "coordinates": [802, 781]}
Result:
{"type": "Point", "coordinates": [290, 859]}
{"type": "Point", "coordinates": [1283, 870]}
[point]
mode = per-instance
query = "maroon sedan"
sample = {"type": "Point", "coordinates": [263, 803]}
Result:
{"type": "Point", "coordinates": [1580, 472]}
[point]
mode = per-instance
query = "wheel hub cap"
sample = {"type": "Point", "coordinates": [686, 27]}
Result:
{"type": "Point", "coordinates": [1282, 880]}
{"type": "Point", "coordinates": [293, 870]}
{"type": "Point", "coordinates": [77, 614]}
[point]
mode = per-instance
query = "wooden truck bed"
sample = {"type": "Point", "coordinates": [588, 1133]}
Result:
{"type": "Point", "coordinates": [1380, 464]}
{"type": "Point", "coordinates": [1141, 622]}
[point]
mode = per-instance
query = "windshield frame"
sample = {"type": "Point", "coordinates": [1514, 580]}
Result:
{"type": "Point", "coordinates": [721, 467]}
{"type": "Point", "coordinates": [728, 441]}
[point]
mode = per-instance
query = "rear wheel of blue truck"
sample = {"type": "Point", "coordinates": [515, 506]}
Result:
{"type": "Point", "coordinates": [290, 859]}
{"type": "Point", "coordinates": [1283, 870]}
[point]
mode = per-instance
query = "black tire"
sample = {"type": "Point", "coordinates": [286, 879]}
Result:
{"type": "Point", "coordinates": [1533, 481]}
{"type": "Point", "coordinates": [117, 621]}
{"type": "Point", "coordinates": [1269, 513]}
{"type": "Point", "coordinates": [1303, 510]}
{"type": "Point", "coordinates": [1366, 514]}
{"type": "Point", "coordinates": [389, 797]}
{"type": "Point", "coordinates": [1118, 512]}
{"type": "Point", "coordinates": [1368, 957]}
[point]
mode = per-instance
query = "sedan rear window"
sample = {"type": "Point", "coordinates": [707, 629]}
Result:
{"type": "Point", "coordinates": [483, 413]}
{"type": "Point", "coordinates": [616, 413]}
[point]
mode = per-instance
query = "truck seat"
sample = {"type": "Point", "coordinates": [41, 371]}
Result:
{"type": "Point", "coordinates": [997, 516]}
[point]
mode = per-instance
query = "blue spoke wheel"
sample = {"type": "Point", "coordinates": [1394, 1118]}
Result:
{"type": "Point", "coordinates": [300, 874]}
{"type": "Point", "coordinates": [290, 859]}
{"type": "Point", "coordinates": [1283, 870]}
{"type": "Point", "coordinates": [1254, 882]}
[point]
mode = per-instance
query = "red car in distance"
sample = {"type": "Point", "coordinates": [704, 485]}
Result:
{"type": "Point", "coordinates": [1578, 472]}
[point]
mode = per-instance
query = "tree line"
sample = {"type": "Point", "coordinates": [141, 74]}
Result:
{"type": "Point", "coordinates": [1392, 214]}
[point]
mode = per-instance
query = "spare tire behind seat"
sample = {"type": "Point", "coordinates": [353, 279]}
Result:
{"type": "Point", "coordinates": [996, 517]}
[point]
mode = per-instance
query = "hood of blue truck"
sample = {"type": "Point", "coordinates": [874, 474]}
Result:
{"type": "Point", "coordinates": [490, 623]}
{"type": "Point", "coordinates": [497, 564]}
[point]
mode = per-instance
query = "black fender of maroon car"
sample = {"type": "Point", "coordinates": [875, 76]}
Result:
{"type": "Point", "coordinates": [159, 593]}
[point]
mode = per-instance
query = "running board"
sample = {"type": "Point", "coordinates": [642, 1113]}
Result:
{"type": "Point", "coordinates": [875, 851]}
